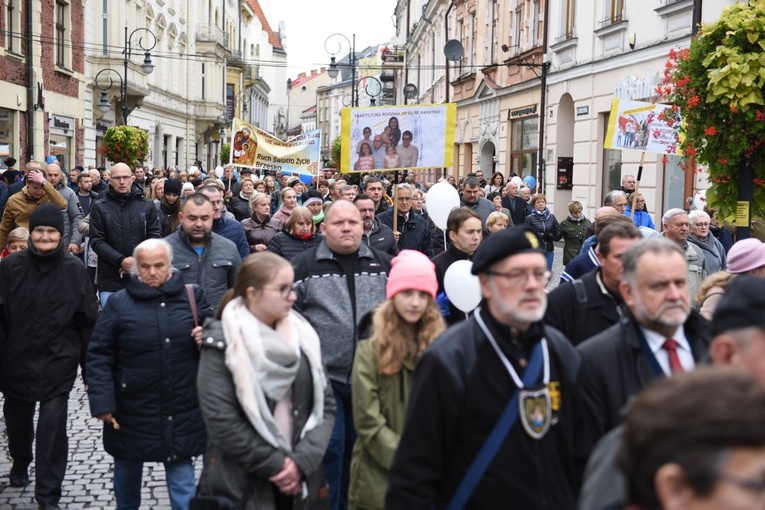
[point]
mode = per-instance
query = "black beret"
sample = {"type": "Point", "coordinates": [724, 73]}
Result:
{"type": "Point", "coordinates": [246, 170]}
{"type": "Point", "coordinates": [741, 306]}
{"type": "Point", "coordinates": [503, 244]}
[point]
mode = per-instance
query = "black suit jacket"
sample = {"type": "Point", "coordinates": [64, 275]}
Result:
{"type": "Point", "coordinates": [614, 369]}
{"type": "Point", "coordinates": [517, 208]}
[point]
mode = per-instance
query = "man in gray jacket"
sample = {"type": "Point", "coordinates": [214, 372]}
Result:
{"type": "Point", "coordinates": [200, 255]}
{"type": "Point", "coordinates": [72, 213]}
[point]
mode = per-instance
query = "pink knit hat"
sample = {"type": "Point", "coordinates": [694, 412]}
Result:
{"type": "Point", "coordinates": [746, 255]}
{"type": "Point", "coordinates": [411, 270]}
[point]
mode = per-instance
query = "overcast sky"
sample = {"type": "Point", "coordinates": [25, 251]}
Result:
{"type": "Point", "coordinates": [309, 22]}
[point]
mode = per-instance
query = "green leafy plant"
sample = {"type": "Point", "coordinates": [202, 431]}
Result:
{"type": "Point", "coordinates": [335, 153]}
{"type": "Point", "coordinates": [716, 86]}
{"type": "Point", "coordinates": [225, 154]}
{"type": "Point", "coordinates": [126, 144]}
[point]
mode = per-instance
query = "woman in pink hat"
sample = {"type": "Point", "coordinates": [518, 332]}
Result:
{"type": "Point", "coordinates": [402, 327]}
{"type": "Point", "coordinates": [745, 257]}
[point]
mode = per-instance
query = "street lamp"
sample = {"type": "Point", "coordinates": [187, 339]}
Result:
{"type": "Point", "coordinates": [147, 67]}
{"type": "Point", "coordinates": [243, 98]}
{"type": "Point", "coordinates": [334, 66]}
{"type": "Point", "coordinates": [370, 83]}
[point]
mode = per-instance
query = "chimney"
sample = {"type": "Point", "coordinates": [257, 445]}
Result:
{"type": "Point", "coordinates": [301, 75]}
{"type": "Point", "coordinates": [323, 69]}
{"type": "Point", "coordinates": [313, 72]}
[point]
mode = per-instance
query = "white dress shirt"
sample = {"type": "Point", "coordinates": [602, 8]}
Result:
{"type": "Point", "coordinates": [656, 342]}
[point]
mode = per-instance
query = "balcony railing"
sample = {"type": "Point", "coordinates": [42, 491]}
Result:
{"type": "Point", "coordinates": [613, 20]}
{"type": "Point", "coordinates": [206, 33]}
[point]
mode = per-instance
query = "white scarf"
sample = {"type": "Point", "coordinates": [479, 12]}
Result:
{"type": "Point", "coordinates": [264, 362]}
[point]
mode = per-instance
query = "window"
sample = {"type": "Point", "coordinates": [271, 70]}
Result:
{"type": "Point", "coordinates": [6, 136]}
{"type": "Point", "coordinates": [517, 22]}
{"type": "Point", "coordinates": [493, 33]}
{"type": "Point", "coordinates": [524, 145]}
{"type": "Point", "coordinates": [614, 12]}
{"type": "Point", "coordinates": [534, 24]}
{"type": "Point", "coordinates": [13, 24]}
{"type": "Point", "coordinates": [612, 164]}
{"type": "Point", "coordinates": [204, 94]}
{"type": "Point", "coordinates": [568, 10]}
{"type": "Point", "coordinates": [61, 33]}
{"type": "Point", "coordinates": [105, 28]}
{"type": "Point", "coordinates": [473, 37]}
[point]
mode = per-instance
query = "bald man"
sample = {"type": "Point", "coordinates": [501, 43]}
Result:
{"type": "Point", "coordinates": [120, 221]}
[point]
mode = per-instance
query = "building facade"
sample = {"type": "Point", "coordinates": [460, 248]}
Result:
{"type": "Point", "coordinates": [42, 76]}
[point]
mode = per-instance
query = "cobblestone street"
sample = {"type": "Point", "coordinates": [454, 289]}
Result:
{"type": "Point", "coordinates": [88, 482]}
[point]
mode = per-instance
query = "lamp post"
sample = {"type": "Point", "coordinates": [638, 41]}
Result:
{"type": "Point", "coordinates": [334, 66]}
{"type": "Point", "coordinates": [243, 98]}
{"type": "Point", "coordinates": [370, 83]}
{"type": "Point", "coordinates": [147, 67]}
{"type": "Point", "coordinates": [287, 117]}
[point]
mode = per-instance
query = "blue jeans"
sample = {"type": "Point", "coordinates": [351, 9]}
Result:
{"type": "Point", "coordinates": [337, 459]}
{"type": "Point", "coordinates": [103, 295]}
{"type": "Point", "coordinates": [127, 483]}
{"type": "Point", "coordinates": [550, 255]}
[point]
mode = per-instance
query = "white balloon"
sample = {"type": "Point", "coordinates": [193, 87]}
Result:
{"type": "Point", "coordinates": [517, 180]}
{"type": "Point", "coordinates": [219, 171]}
{"type": "Point", "coordinates": [440, 201]}
{"type": "Point", "coordinates": [192, 169]}
{"type": "Point", "coordinates": [462, 287]}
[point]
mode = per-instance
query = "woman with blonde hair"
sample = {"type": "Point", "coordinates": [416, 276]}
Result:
{"type": "Point", "coordinates": [299, 234]}
{"type": "Point", "coordinates": [260, 228]}
{"type": "Point", "coordinates": [264, 396]}
{"type": "Point", "coordinates": [288, 199]}
{"type": "Point", "coordinates": [402, 328]}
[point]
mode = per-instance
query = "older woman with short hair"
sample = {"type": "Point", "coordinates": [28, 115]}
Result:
{"type": "Point", "coordinates": [299, 235]}
{"type": "Point", "coordinates": [543, 223]}
{"type": "Point", "coordinates": [260, 228]}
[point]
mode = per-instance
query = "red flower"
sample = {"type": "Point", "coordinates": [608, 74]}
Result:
{"type": "Point", "coordinates": [664, 160]}
{"type": "Point", "coordinates": [733, 108]}
{"type": "Point", "coordinates": [760, 116]}
{"type": "Point", "coordinates": [710, 131]}
{"type": "Point", "coordinates": [758, 182]}
{"type": "Point", "coordinates": [693, 101]}
{"type": "Point", "coordinates": [682, 82]}
{"type": "Point", "coordinates": [723, 161]}
{"type": "Point", "coordinates": [690, 151]}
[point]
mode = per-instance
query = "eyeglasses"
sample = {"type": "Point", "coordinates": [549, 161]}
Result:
{"type": "Point", "coordinates": [285, 291]}
{"type": "Point", "coordinates": [701, 224]}
{"type": "Point", "coordinates": [404, 199]}
{"type": "Point", "coordinates": [121, 177]}
{"type": "Point", "coordinates": [519, 278]}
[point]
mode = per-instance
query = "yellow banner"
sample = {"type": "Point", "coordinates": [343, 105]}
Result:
{"type": "Point", "coordinates": [397, 137]}
{"type": "Point", "coordinates": [254, 148]}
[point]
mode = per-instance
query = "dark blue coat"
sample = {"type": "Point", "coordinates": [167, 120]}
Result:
{"type": "Point", "coordinates": [144, 370]}
{"type": "Point", "coordinates": [415, 232]}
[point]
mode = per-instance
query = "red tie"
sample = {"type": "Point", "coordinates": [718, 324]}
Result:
{"type": "Point", "coordinates": [670, 346]}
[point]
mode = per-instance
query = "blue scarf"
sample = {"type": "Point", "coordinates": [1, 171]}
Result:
{"type": "Point", "coordinates": [542, 214]}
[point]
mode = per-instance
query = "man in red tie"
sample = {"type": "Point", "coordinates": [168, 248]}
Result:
{"type": "Point", "coordinates": [658, 335]}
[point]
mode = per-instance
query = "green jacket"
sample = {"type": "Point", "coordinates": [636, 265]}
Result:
{"type": "Point", "coordinates": [573, 236]}
{"type": "Point", "coordinates": [379, 409]}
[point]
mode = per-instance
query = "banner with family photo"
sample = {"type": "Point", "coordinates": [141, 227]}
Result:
{"type": "Point", "coordinates": [393, 137]}
{"type": "Point", "coordinates": [640, 126]}
{"type": "Point", "coordinates": [254, 148]}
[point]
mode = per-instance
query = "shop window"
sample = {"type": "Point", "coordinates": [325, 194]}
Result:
{"type": "Point", "coordinates": [6, 136]}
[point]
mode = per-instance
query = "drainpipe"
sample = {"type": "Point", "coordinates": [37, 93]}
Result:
{"type": "Point", "coordinates": [30, 82]}
{"type": "Point", "coordinates": [446, 36]}
{"type": "Point", "coordinates": [542, 105]}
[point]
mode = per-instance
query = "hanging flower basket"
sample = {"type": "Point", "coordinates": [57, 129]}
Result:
{"type": "Point", "coordinates": [126, 144]}
{"type": "Point", "coordinates": [716, 85]}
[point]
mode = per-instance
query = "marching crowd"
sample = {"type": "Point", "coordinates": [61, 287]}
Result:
{"type": "Point", "coordinates": [301, 338]}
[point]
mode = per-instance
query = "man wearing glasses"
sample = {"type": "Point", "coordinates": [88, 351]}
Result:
{"type": "Point", "coordinates": [412, 231]}
{"type": "Point", "coordinates": [628, 184]}
{"type": "Point", "coordinates": [494, 396]}
{"type": "Point", "coordinates": [119, 222]}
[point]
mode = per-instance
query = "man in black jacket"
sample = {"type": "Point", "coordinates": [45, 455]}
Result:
{"type": "Point", "coordinates": [659, 336]}
{"type": "Point", "coordinates": [591, 304]}
{"type": "Point", "coordinates": [515, 204]}
{"type": "Point", "coordinates": [376, 235]}
{"type": "Point", "coordinates": [467, 378]}
{"type": "Point", "coordinates": [119, 222]}
{"type": "Point", "coordinates": [412, 231]}
{"type": "Point", "coordinates": [47, 313]}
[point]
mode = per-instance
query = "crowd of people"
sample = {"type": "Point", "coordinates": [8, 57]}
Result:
{"type": "Point", "coordinates": [301, 339]}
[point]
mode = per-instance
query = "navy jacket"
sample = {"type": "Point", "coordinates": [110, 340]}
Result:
{"type": "Point", "coordinates": [144, 371]}
{"type": "Point", "coordinates": [415, 232]}
{"type": "Point", "coordinates": [234, 232]}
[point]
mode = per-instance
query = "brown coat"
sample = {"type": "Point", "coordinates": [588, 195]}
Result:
{"type": "Point", "coordinates": [19, 208]}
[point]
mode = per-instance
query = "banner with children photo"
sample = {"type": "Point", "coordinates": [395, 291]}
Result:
{"type": "Point", "coordinates": [397, 137]}
{"type": "Point", "coordinates": [641, 126]}
{"type": "Point", "coordinates": [254, 148]}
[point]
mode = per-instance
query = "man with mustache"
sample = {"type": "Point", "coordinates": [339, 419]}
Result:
{"type": "Point", "coordinates": [461, 446]}
{"type": "Point", "coordinates": [660, 335]}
